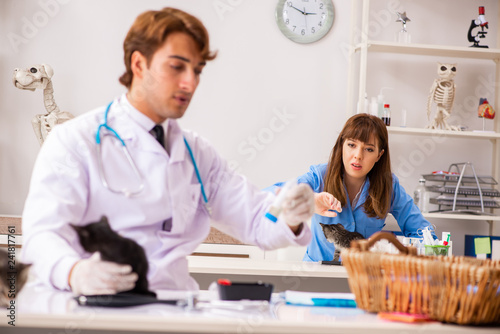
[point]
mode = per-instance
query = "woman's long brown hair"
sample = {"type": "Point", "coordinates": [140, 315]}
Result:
{"type": "Point", "coordinates": [363, 127]}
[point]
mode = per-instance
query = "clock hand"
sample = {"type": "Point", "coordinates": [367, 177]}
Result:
{"type": "Point", "coordinates": [298, 10]}
{"type": "Point", "coordinates": [305, 18]}
{"type": "Point", "coordinates": [310, 13]}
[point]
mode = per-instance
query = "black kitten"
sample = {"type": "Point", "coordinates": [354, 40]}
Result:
{"type": "Point", "coordinates": [339, 237]}
{"type": "Point", "coordinates": [99, 237]}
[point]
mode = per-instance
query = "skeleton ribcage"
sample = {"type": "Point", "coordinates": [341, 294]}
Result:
{"type": "Point", "coordinates": [444, 94]}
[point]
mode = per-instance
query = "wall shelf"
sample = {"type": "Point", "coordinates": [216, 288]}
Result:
{"type": "Point", "coordinates": [430, 50]}
{"type": "Point", "coordinates": [445, 133]}
{"type": "Point", "coordinates": [458, 216]}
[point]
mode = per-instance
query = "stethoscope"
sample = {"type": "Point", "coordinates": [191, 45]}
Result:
{"type": "Point", "coordinates": [137, 173]}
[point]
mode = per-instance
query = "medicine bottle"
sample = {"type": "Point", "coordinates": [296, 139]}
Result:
{"type": "Point", "coordinates": [421, 196]}
{"type": "Point", "coordinates": [386, 116]}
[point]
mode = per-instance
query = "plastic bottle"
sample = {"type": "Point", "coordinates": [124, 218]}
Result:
{"type": "Point", "coordinates": [420, 248]}
{"type": "Point", "coordinates": [381, 101]}
{"type": "Point", "coordinates": [386, 115]}
{"type": "Point", "coordinates": [374, 107]}
{"type": "Point", "coordinates": [425, 206]}
{"type": "Point", "coordinates": [421, 196]}
{"type": "Point", "coordinates": [380, 104]}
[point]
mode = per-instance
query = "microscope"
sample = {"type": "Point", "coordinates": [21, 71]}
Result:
{"type": "Point", "coordinates": [479, 22]}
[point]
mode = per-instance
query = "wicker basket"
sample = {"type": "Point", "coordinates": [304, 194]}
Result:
{"type": "Point", "coordinates": [455, 289]}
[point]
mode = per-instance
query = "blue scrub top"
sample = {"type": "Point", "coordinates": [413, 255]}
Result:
{"type": "Point", "coordinates": [404, 210]}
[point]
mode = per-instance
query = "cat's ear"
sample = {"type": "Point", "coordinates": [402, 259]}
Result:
{"type": "Point", "coordinates": [22, 274]}
{"type": "Point", "coordinates": [22, 266]}
{"type": "Point", "coordinates": [104, 220]}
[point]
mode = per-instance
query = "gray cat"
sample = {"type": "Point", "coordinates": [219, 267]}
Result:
{"type": "Point", "coordinates": [14, 275]}
{"type": "Point", "coordinates": [339, 237]}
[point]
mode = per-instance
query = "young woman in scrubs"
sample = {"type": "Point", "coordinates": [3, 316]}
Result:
{"type": "Point", "coordinates": [357, 188]}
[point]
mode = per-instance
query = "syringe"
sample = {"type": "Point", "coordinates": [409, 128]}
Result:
{"type": "Point", "coordinates": [275, 208]}
{"type": "Point", "coordinates": [428, 239]}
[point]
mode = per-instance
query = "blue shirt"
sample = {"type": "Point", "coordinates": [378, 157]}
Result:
{"type": "Point", "coordinates": [404, 210]}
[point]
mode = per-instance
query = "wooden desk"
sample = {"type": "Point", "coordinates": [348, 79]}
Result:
{"type": "Point", "coordinates": [42, 310]}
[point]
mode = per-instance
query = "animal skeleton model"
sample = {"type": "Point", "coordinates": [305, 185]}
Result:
{"type": "Point", "coordinates": [443, 94]}
{"type": "Point", "coordinates": [39, 76]}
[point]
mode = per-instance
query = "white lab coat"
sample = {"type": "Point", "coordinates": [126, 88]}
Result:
{"type": "Point", "coordinates": [66, 188]}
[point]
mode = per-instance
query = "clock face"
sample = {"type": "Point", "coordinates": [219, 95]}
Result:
{"type": "Point", "coordinates": [304, 21]}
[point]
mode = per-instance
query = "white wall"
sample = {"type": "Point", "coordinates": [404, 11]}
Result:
{"type": "Point", "coordinates": [258, 76]}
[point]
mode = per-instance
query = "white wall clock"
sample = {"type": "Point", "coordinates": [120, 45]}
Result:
{"type": "Point", "coordinates": [304, 21]}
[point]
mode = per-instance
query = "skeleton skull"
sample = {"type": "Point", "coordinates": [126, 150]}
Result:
{"type": "Point", "coordinates": [35, 77]}
{"type": "Point", "coordinates": [446, 71]}
{"type": "Point", "coordinates": [39, 77]}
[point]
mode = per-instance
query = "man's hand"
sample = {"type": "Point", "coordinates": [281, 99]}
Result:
{"type": "Point", "coordinates": [298, 205]}
{"type": "Point", "coordinates": [325, 202]}
{"type": "Point", "coordinates": [93, 276]}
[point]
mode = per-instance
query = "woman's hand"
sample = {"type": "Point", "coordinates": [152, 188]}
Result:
{"type": "Point", "coordinates": [325, 202]}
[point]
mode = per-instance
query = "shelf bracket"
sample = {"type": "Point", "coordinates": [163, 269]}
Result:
{"type": "Point", "coordinates": [490, 227]}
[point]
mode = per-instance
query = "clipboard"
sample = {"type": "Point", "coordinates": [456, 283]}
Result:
{"type": "Point", "coordinates": [123, 300]}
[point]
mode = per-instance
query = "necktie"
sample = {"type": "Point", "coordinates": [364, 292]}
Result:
{"type": "Point", "coordinates": [157, 132]}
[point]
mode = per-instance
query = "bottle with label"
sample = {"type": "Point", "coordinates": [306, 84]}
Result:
{"type": "Point", "coordinates": [381, 101]}
{"type": "Point", "coordinates": [386, 115]}
{"type": "Point", "coordinates": [421, 196]}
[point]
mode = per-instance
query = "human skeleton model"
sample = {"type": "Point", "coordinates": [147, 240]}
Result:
{"type": "Point", "coordinates": [39, 76]}
{"type": "Point", "coordinates": [443, 94]}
